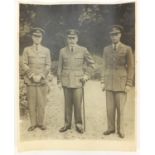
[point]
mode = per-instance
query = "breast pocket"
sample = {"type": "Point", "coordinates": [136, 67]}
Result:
{"type": "Point", "coordinates": [78, 60]}
{"type": "Point", "coordinates": [31, 59]}
{"type": "Point", "coordinates": [121, 58]}
{"type": "Point", "coordinates": [40, 60]}
{"type": "Point", "coordinates": [65, 61]}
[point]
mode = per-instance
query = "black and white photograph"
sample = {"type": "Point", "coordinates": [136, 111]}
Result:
{"type": "Point", "coordinates": [77, 76]}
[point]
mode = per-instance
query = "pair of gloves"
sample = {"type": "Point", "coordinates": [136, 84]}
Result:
{"type": "Point", "coordinates": [36, 78]}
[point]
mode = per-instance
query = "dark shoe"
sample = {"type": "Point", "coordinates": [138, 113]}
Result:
{"type": "Point", "coordinates": [108, 132]}
{"type": "Point", "coordinates": [42, 127]}
{"type": "Point", "coordinates": [79, 128]}
{"type": "Point", "coordinates": [65, 128]}
{"type": "Point", "coordinates": [121, 135]}
{"type": "Point", "coordinates": [31, 128]}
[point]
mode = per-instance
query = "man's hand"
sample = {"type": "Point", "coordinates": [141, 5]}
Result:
{"type": "Point", "coordinates": [103, 86]}
{"type": "Point", "coordinates": [127, 89]}
{"type": "Point", "coordinates": [84, 79]}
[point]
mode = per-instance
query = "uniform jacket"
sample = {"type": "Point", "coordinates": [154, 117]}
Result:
{"type": "Point", "coordinates": [71, 66]}
{"type": "Point", "coordinates": [118, 67]}
{"type": "Point", "coordinates": [36, 62]}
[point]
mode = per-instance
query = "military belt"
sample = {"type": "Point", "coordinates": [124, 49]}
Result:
{"type": "Point", "coordinates": [74, 69]}
{"type": "Point", "coordinates": [116, 67]}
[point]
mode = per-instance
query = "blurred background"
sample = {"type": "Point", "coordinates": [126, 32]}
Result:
{"type": "Point", "coordinates": [92, 21]}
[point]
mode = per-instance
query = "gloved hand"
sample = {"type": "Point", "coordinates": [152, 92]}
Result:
{"type": "Point", "coordinates": [36, 78]}
{"type": "Point", "coordinates": [84, 79]}
{"type": "Point", "coordinates": [127, 89]}
{"type": "Point", "coordinates": [103, 86]}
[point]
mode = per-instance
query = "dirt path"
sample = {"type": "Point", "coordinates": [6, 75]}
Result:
{"type": "Point", "coordinates": [95, 116]}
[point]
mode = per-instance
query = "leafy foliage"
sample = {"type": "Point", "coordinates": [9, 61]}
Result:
{"type": "Point", "coordinates": [93, 22]}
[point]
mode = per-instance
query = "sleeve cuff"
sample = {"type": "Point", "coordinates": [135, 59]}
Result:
{"type": "Point", "coordinates": [129, 83]}
{"type": "Point", "coordinates": [29, 73]}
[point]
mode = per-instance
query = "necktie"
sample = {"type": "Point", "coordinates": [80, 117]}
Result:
{"type": "Point", "coordinates": [36, 48]}
{"type": "Point", "coordinates": [72, 49]}
{"type": "Point", "coordinates": [114, 47]}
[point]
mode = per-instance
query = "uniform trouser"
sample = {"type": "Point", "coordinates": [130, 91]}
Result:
{"type": "Point", "coordinates": [36, 102]}
{"type": "Point", "coordinates": [115, 102]}
{"type": "Point", "coordinates": [73, 98]}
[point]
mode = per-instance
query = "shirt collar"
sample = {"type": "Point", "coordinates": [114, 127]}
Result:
{"type": "Point", "coordinates": [72, 47]}
{"type": "Point", "coordinates": [36, 46]}
{"type": "Point", "coordinates": [116, 45]}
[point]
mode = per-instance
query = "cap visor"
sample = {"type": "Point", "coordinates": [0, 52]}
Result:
{"type": "Point", "coordinates": [114, 32]}
{"type": "Point", "coordinates": [37, 35]}
{"type": "Point", "coordinates": [71, 36]}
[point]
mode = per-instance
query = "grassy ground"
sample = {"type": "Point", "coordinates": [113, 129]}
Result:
{"type": "Point", "coordinates": [95, 109]}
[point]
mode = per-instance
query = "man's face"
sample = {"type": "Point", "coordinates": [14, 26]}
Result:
{"type": "Point", "coordinates": [115, 37]}
{"type": "Point", "coordinates": [36, 39]}
{"type": "Point", "coordinates": [72, 40]}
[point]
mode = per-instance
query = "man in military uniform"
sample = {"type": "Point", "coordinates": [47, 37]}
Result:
{"type": "Point", "coordinates": [117, 79]}
{"type": "Point", "coordinates": [36, 65]}
{"type": "Point", "coordinates": [71, 77]}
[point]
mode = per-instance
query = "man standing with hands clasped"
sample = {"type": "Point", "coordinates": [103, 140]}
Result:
{"type": "Point", "coordinates": [117, 79]}
{"type": "Point", "coordinates": [36, 65]}
{"type": "Point", "coordinates": [71, 77]}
